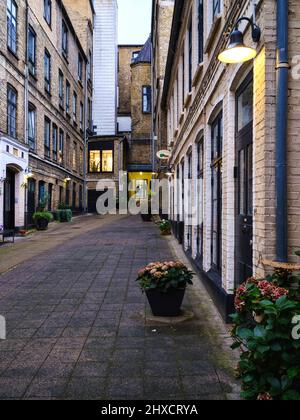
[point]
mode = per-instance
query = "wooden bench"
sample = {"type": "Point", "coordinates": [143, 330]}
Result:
{"type": "Point", "coordinates": [7, 234]}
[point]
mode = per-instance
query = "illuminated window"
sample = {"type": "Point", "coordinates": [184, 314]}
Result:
{"type": "Point", "coordinates": [95, 161]}
{"type": "Point", "coordinates": [107, 161]}
{"type": "Point", "coordinates": [100, 161]}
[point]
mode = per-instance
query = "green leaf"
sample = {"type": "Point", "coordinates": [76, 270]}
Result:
{"type": "Point", "coordinates": [260, 331]}
{"type": "Point", "coordinates": [244, 333]}
{"type": "Point", "coordinates": [293, 372]}
{"type": "Point", "coordinates": [274, 382]}
{"type": "Point", "coordinates": [297, 253]}
{"type": "Point", "coordinates": [291, 395]}
{"type": "Point", "coordinates": [263, 349]}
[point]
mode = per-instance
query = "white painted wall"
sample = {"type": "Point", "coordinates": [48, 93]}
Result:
{"type": "Point", "coordinates": [125, 124]}
{"type": "Point", "coordinates": [105, 67]}
{"type": "Point", "coordinates": [20, 162]}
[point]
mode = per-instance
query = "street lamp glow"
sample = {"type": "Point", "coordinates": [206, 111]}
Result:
{"type": "Point", "coordinates": [237, 54]}
{"type": "Point", "coordinates": [237, 51]}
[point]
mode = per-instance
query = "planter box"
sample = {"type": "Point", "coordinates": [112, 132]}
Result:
{"type": "Point", "coordinates": [166, 304]}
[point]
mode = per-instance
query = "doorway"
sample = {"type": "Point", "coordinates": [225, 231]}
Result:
{"type": "Point", "coordinates": [9, 200]}
{"type": "Point", "coordinates": [31, 201]}
{"type": "Point", "coordinates": [244, 188]}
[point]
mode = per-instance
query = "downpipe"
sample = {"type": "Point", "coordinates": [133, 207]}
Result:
{"type": "Point", "coordinates": [282, 69]}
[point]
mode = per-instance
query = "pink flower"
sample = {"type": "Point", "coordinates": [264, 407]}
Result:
{"type": "Point", "coordinates": [264, 397]}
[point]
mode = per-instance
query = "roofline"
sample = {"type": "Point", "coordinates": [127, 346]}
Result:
{"type": "Point", "coordinates": [92, 7]}
{"type": "Point", "coordinates": [176, 27]}
{"type": "Point", "coordinates": [130, 45]}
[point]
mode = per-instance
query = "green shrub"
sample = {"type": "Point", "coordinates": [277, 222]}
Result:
{"type": "Point", "coordinates": [64, 215]}
{"type": "Point", "coordinates": [43, 215]}
{"type": "Point", "coordinates": [63, 206]}
{"type": "Point", "coordinates": [165, 226]}
{"type": "Point", "coordinates": [263, 330]}
{"type": "Point", "coordinates": [164, 276]}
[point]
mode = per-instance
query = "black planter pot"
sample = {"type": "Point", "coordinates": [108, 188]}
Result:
{"type": "Point", "coordinates": [146, 217]}
{"type": "Point", "coordinates": [166, 304]}
{"type": "Point", "coordinates": [42, 224]}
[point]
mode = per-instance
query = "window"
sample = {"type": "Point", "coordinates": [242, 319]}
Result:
{"type": "Point", "coordinates": [107, 161]}
{"type": "Point", "coordinates": [48, 11]}
{"type": "Point", "coordinates": [216, 8]}
{"type": "Point", "coordinates": [81, 115]}
{"type": "Point", "coordinates": [245, 107]}
{"type": "Point", "coordinates": [12, 111]}
{"type": "Point", "coordinates": [61, 89]}
{"type": "Point", "coordinates": [75, 106]}
{"type": "Point", "coordinates": [81, 161]}
{"type": "Point", "coordinates": [47, 71]}
{"type": "Point", "coordinates": [200, 177]}
{"type": "Point", "coordinates": [31, 51]}
{"type": "Point", "coordinates": [95, 161]}
{"type": "Point", "coordinates": [32, 127]}
{"type": "Point", "coordinates": [74, 160]}
{"type": "Point", "coordinates": [146, 99]}
{"type": "Point", "coordinates": [54, 142]}
{"type": "Point", "coordinates": [89, 68]}
{"type": "Point", "coordinates": [68, 97]}
{"type": "Point", "coordinates": [190, 55]}
{"type": "Point", "coordinates": [217, 143]}
{"type": "Point", "coordinates": [12, 25]}
{"type": "Point", "coordinates": [80, 68]}
{"type": "Point", "coordinates": [100, 161]}
{"type": "Point", "coordinates": [200, 31]}
{"type": "Point", "coordinates": [135, 55]}
{"type": "Point", "coordinates": [47, 131]}
{"type": "Point", "coordinates": [61, 147]}
{"type": "Point", "coordinates": [64, 39]}
{"type": "Point", "coordinates": [90, 121]}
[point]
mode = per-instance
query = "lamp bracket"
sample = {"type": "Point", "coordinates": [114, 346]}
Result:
{"type": "Point", "coordinates": [256, 32]}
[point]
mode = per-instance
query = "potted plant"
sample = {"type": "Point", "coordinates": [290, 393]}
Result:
{"type": "Point", "coordinates": [165, 284]}
{"type": "Point", "coordinates": [42, 219]}
{"type": "Point", "coordinates": [165, 227]}
{"type": "Point", "coordinates": [64, 213]}
{"type": "Point", "coordinates": [266, 330]}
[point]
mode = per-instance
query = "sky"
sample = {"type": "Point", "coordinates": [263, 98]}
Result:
{"type": "Point", "coordinates": [134, 21]}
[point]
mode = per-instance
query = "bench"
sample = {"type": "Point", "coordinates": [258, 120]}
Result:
{"type": "Point", "coordinates": [7, 234]}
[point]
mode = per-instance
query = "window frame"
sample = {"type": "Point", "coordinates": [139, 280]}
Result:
{"type": "Point", "coordinates": [47, 75]}
{"type": "Point", "coordinates": [12, 105]}
{"type": "Point", "coordinates": [81, 116]}
{"type": "Point", "coordinates": [61, 147]}
{"type": "Point", "coordinates": [48, 8]}
{"type": "Point", "coordinates": [32, 140]}
{"type": "Point", "coordinates": [68, 97]}
{"type": "Point", "coordinates": [101, 161]}
{"type": "Point", "coordinates": [54, 142]}
{"type": "Point", "coordinates": [47, 140]}
{"type": "Point", "coordinates": [64, 39]}
{"type": "Point", "coordinates": [148, 96]}
{"type": "Point", "coordinates": [12, 43]}
{"type": "Point", "coordinates": [200, 31]}
{"type": "Point", "coordinates": [31, 56]}
{"type": "Point", "coordinates": [61, 89]}
{"type": "Point", "coordinates": [75, 105]}
{"type": "Point", "coordinates": [216, 171]}
{"type": "Point", "coordinates": [80, 68]}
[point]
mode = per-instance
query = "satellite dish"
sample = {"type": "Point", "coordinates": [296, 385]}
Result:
{"type": "Point", "coordinates": [163, 154]}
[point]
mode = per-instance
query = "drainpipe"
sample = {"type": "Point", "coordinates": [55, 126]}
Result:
{"type": "Point", "coordinates": [281, 131]}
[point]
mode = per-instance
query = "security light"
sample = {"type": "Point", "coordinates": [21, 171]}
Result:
{"type": "Point", "coordinates": [237, 51]}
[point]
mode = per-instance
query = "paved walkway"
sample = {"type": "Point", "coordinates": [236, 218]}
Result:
{"type": "Point", "coordinates": [76, 325]}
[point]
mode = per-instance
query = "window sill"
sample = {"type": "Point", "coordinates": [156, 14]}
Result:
{"type": "Point", "coordinates": [80, 83]}
{"type": "Point", "coordinates": [33, 76]}
{"type": "Point", "coordinates": [212, 33]}
{"type": "Point", "coordinates": [198, 74]}
{"type": "Point", "coordinates": [14, 54]}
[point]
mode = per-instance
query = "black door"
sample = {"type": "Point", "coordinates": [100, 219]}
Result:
{"type": "Point", "coordinates": [244, 190]}
{"type": "Point", "coordinates": [31, 201]}
{"type": "Point", "coordinates": [9, 200]}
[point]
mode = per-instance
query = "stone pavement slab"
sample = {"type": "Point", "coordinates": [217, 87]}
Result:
{"type": "Point", "coordinates": [76, 322]}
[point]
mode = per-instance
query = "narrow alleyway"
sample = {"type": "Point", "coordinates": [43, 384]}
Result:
{"type": "Point", "coordinates": [76, 325]}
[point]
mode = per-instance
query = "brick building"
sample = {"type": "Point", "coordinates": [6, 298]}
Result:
{"type": "Point", "coordinates": [44, 78]}
{"type": "Point", "coordinates": [226, 134]}
{"type": "Point", "coordinates": [134, 114]}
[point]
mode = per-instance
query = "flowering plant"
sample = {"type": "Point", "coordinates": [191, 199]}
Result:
{"type": "Point", "coordinates": [164, 276]}
{"type": "Point", "coordinates": [270, 357]}
{"type": "Point", "coordinates": [165, 227]}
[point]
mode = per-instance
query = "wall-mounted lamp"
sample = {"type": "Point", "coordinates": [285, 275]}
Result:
{"type": "Point", "coordinates": [67, 180]}
{"type": "Point", "coordinates": [237, 51]}
{"type": "Point", "coordinates": [28, 173]}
